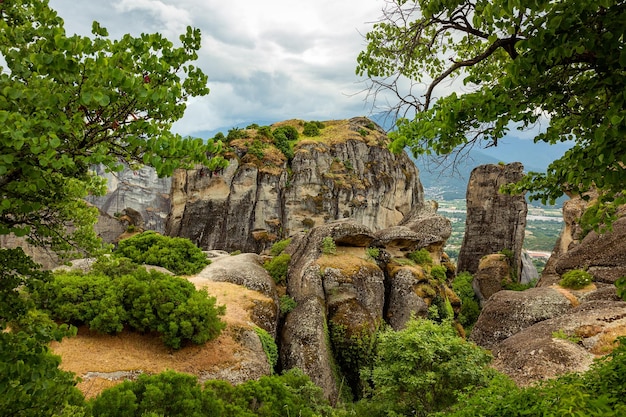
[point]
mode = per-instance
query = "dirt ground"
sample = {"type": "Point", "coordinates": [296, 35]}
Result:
{"type": "Point", "coordinates": [102, 361]}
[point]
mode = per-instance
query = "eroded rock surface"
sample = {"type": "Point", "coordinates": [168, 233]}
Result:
{"type": "Point", "coordinates": [495, 221]}
{"type": "Point", "coordinates": [347, 172]}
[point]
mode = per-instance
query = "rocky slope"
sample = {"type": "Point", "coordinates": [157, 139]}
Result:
{"type": "Point", "coordinates": [547, 331]}
{"type": "Point", "coordinates": [345, 172]}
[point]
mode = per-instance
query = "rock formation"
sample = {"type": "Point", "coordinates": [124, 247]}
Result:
{"type": "Point", "coordinates": [547, 331]}
{"type": "Point", "coordinates": [602, 255]}
{"type": "Point", "coordinates": [345, 296]}
{"type": "Point", "coordinates": [346, 172]}
{"type": "Point", "coordinates": [495, 221]}
{"type": "Point", "coordinates": [140, 190]}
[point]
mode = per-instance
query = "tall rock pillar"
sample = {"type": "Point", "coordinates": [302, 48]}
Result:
{"type": "Point", "coordinates": [495, 221]}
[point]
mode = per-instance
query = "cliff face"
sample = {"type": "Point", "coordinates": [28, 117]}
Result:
{"type": "Point", "coordinates": [141, 190]}
{"type": "Point", "coordinates": [494, 221]}
{"type": "Point", "coordinates": [346, 172]}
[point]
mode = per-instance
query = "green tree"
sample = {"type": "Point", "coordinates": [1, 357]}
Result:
{"type": "Point", "coordinates": [424, 367]}
{"type": "Point", "coordinates": [69, 102]}
{"type": "Point", "coordinates": [557, 64]}
{"type": "Point", "coordinates": [31, 383]}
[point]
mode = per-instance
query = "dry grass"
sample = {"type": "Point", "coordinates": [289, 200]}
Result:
{"type": "Point", "coordinates": [146, 353]}
{"type": "Point", "coordinates": [608, 340]}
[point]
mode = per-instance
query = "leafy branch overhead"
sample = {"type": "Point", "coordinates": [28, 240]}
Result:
{"type": "Point", "coordinates": [69, 102]}
{"type": "Point", "coordinates": [558, 67]}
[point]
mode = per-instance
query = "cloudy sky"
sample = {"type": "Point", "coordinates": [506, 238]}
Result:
{"type": "Point", "coordinates": [266, 60]}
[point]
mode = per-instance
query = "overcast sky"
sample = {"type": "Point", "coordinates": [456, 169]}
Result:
{"type": "Point", "coordinates": [266, 60]}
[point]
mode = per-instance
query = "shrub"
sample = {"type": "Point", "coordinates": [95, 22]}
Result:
{"type": "Point", "coordinates": [176, 254]}
{"type": "Point", "coordinates": [328, 246]}
{"type": "Point", "coordinates": [620, 284]}
{"type": "Point", "coordinates": [575, 279]}
{"type": "Point", "coordinates": [236, 133]}
{"type": "Point", "coordinates": [282, 143]}
{"type": "Point", "coordinates": [265, 132]}
{"type": "Point", "coordinates": [145, 301]}
{"type": "Point", "coordinates": [269, 346]}
{"type": "Point", "coordinates": [439, 273]}
{"type": "Point", "coordinates": [470, 309]}
{"type": "Point", "coordinates": [166, 394]}
{"type": "Point", "coordinates": [278, 247]}
{"type": "Point", "coordinates": [425, 367]}
{"type": "Point", "coordinates": [278, 267]}
{"type": "Point", "coordinates": [373, 253]}
{"type": "Point", "coordinates": [290, 132]}
{"type": "Point", "coordinates": [287, 304]}
{"type": "Point", "coordinates": [256, 149]}
{"type": "Point", "coordinates": [420, 257]}
{"type": "Point", "coordinates": [311, 129]}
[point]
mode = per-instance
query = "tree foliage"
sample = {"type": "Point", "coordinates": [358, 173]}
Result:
{"type": "Point", "coordinates": [31, 384]}
{"type": "Point", "coordinates": [176, 254]}
{"type": "Point", "coordinates": [556, 65]}
{"type": "Point", "coordinates": [69, 102]}
{"type": "Point", "coordinates": [424, 367]}
{"type": "Point", "coordinates": [143, 301]}
{"type": "Point", "coordinates": [178, 395]}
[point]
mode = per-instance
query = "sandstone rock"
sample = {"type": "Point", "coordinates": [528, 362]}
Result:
{"type": "Point", "coordinates": [251, 204]}
{"type": "Point", "coordinates": [494, 221]}
{"type": "Point", "coordinates": [529, 271]}
{"type": "Point", "coordinates": [406, 297]}
{"type": "Point", "coordinates": [563, 344]}
{"type": "Point", "coordinates": [140, 190]}
{"type": "Point", "coordinates": [493, 270]}
{"type": "Point", "coordinates": [508, 312]}
{"type": "Point", "coordinates": [245, 269]}
{"type": "Point", "coordinates": [603, 256]}
{"type": "Point", "coordinates": [305, 344]}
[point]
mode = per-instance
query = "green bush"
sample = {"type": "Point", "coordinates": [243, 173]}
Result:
{"type": "Point", "coordinates": [176, 254]}
{"type": "Point", "coordinates": [278, 267]}
{"type": "Point", "coordinates": [278, 247]}
{"type": "Point", "coordinates": [421, 257]}
{"type": "Point", "coordinates": [328, 246]}
{"type": "Point", "coordinates": [373, 253]}
{"type": "Point", "coordinates": [236, 133]}
{"type": "Point", "coordinates": [620, 284]}
{"type": "Point", "coordinates": [470, 308]}
{"type": "Point", "coordinates": [269, 346]}
{"type": "Point", "coordinates": [287, 304]}
{"type": "Point", "coordinates": [439, 273]}
{"type": "Point", "coordinates": [165, 394]}
{"type": "Point", "coordinates": [425, 368]}
{"type": "Point", "coordinates": [144, 301]}
{"type": "Point", "coordinates": [290, 132]}
{"type": "Point", "coordinates": [282, 143]}
{"type": "Point", "coordinates": [311, 129]}
{"type": "Point", "coordinates": [575, 279]}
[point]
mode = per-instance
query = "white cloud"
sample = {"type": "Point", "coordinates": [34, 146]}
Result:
{"type": "Point", "coordinates": [266, 61]}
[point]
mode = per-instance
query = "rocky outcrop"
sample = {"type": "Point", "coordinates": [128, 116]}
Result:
{"type": "Point", "coordinates": [495, 221]}
{"type": "Point", "coordinates": [563, 344]}
{"type": "Point", "coordinates": [602, 255]}
{"type": "Point", "coordinates": [346, 172]}
{"type": "Point", "coordinates": [508, 312]}
{"type": "Point", "coordinates": [247, 271]}
{"type": "Point", "coordinates": [140, 190]}
{"type": "Point", "coordinates": [351, 292]}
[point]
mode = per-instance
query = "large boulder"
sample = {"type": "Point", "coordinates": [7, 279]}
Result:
{"type": "Point", "coordinates": [245, 270]}
{"type": "Point", "coordinates": [495, 221]}
{"type": "Point", "coordinates": [563, 344]}
{"type": "Point", "coordinates": [305, 344]}
{"type": "Point", "coordinates": [508, 312]}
